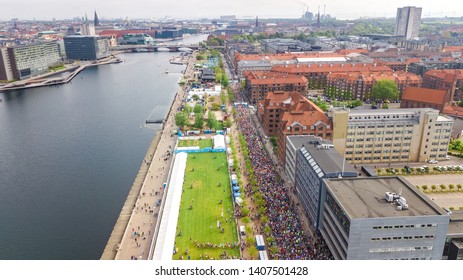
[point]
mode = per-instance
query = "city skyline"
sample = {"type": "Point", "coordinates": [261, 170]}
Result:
{"type": "Point", "coordinates": [194, 9]}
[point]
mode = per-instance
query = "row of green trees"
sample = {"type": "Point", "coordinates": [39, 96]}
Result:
{"type": "Point", "coordinates": [442, 187]}
{"type": "Point", "coordinates": [412, 171]}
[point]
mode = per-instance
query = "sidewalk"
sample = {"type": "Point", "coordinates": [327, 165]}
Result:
{"type": "Point", "coordinates": [138, 236]}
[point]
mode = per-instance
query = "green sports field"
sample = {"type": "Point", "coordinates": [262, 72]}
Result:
{"type": "Point", "coordinates": [204, 143]}
{"type": "Point", "coordinates": [198, 225]}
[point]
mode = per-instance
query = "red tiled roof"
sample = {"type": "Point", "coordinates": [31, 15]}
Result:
{"type": "Point", "coordinates": [398, 76]}
{"type": "Point", "coordinates": [453, 110]}
{"type": "Point", "coordinates": [426, 95]}
{"type": "Point", "coordinates": [284, 56]}
{"type": "Point", "coordinates": [448, 75]}
{"type": "Point", "coordinates": [317, 68]}
{"type": "Point", "coordinates": [453, 49]}
{"type": "Point", "coordinates": [305, 118]}
{"type": "Point", "coordinates": [267, 77]}
{"type": "Point", "coordinates": [299, 102]}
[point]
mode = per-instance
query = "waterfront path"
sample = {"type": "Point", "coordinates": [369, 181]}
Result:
{"type": "Point", "coordinates": [138, 231]}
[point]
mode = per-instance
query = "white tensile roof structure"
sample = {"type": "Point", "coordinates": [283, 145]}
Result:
{"type": "Point", "coordinates": [219, 141]}
{"type": "Point", "coordinates": [167, 228]}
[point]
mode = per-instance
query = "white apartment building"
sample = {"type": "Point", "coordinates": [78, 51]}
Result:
{"type": "Point", "coordinates": [391, 135]}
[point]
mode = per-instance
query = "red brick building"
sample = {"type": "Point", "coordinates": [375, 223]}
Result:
{"type": "Point", "coordinates": [288, 113]}
{"type": "Point", "coordinates": [418, 97]}
{"type": "Point", "coordinates": [259, 83]}
{"type": "Point", "coordinates": [271, 109]}
{"type": "Point", "coordinates": [300, 122]}
{"type": "Point", "coordinates": [450, 80]}
{"type": "Point", "coordinates": [359, 84]}
{"type": "Point", "coordinates": [317, 74]}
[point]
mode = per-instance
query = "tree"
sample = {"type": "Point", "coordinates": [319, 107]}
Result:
{"type": "Point", "coordinates": [264, 219]}
{"type": "Point", "coordinates": [384, 90]}
{"type": "Point", "coordinates": [199, 57]}
{"type": "Point", "coordinates": [195, 97]}
{"type": "Point", "coordinates": [267, 230]}
{"type": "Point", "coordinates": [227, 123]}
{"type": "Point", "coordinates": [231, 96]}
{"type": "Point", "coordinates": [211, 120]}
{"type": "Point", "coordinates": [187, 109]}
{"type": "Point", "coordinates": [321, 104]}
{"type": "Point", "coordinates": [223, 98]}
{"type": "Point", "coordinates": [274, 250]}
{"type": "Point", "coordinates": [253, 252]}
{"type": "Point", "coordinates": [244, 211]}
{"type": "Point", "coordinates": [198, 109]}
{"type": "Point", "coordinates": [199, 122]}
{"type": "Point", "coordinates": [250, 240]}
{"type": "Point", "coordinates": [270, 239]}
{"type": "Point", "coordinates": [224, 80]}
{"type": "Point", "coordinates": [248, 230]}
{"type": "Point", "coordinates": [181, 119]}
{"type": "Point", "coordinates": [356, 103]}
{"type": "Point", "coordinates": [442, 187]}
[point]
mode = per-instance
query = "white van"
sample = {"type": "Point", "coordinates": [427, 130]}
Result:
{"type": "Point", "coordinates": [242, 230]}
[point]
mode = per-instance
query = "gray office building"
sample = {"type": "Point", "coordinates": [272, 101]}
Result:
{"type": "Point", "coordinates": [407, 22]}
{"type": "Point", "coordinates": [309, 159]}
{"type": "Point", "coordinates": [24, 61]}
{"type": "Point", "coordinates": [381, 219]}
{"type": "Point", "coordinates": [86, 47]}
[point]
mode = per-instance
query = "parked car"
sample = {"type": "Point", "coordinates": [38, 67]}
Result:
{"type": "Point", "coordinates": [433, 161]}
{"type": "Point", "coordinates": [447, 157]}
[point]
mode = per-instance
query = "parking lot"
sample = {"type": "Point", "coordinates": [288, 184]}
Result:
{"type": "Point", "coordinates": [443, 199]}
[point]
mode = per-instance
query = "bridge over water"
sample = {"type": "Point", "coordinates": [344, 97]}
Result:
{"type": "Point", "coordinates": [151, 48]}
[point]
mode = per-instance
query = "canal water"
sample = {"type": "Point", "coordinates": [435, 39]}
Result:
{"type": "Point", "coordinates": [69, 155]}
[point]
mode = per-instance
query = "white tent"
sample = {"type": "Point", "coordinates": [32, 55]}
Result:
{"type": "Point", "coordinates": [167, 227]}
{"type": "Point", "coordinates": [219, 141]}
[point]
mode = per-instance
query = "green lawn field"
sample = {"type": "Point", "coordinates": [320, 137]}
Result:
{"type": "Point", "coordinates": [201, 143]}
{"type": "Point", "coordinates": [198, 224]}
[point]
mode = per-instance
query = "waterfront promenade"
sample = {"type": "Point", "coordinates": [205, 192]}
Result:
{"type": "Point", "coordinates": [48, 79]}
{"type": "Point", "coordinates": [134, 230]}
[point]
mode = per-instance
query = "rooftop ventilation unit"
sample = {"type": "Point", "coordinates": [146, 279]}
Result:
{"type": "Point", "coordinates": [398, 199]}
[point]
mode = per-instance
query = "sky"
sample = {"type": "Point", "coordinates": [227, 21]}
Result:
{"type": "Point", "coordinates": [193, 9]}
